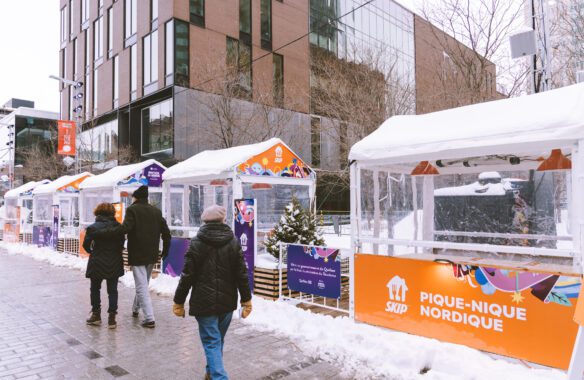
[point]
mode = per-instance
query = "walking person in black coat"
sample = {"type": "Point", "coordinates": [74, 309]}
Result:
{"type": "Point", "coordinates": [105, 263]}
{"type": "Point", "coordinates": [215, 271]}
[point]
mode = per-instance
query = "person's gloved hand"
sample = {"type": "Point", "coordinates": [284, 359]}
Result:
{"type": "Point", "coordinates": [246, 309]}
{"type": "Point", "coordinates": [178, 310]}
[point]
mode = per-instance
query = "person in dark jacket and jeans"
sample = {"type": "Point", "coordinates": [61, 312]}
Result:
{"type": "Point", "coordinates": [105, 263]}
{"type": "Point", "coordinates": [144, 226]}
{"type": "Point", "coordinates": [215, 271]}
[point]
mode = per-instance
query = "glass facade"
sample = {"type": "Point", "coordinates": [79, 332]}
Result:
{"type": "Point", "coordinates": [278, 80]}
{"type": "Point", "coordinates": [131, 18]}
{"type": "Point", "coordinates": [169, 52]}
{"type": "Point", "coordinates": [31, 131]}
{"type": "Point", "coordinates": [151, 58]}
{"type": "Point", "coordinates": [99, 144]}
{"type": "Point", "coordinates": [133, 72]}
{"type": "Point", "coordinates": [98, 39]}
{"type": "Point", "coordinates": [378, 26]}
{"type": "Point", "coordinates": [245, 20]}
{"type": "Point", "coordinates": [157, 121]}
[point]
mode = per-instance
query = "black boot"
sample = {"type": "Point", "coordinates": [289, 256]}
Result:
{"type": "Point", "coordinates": [94, 319]}
{"type": "Point", "coordinates": [111, 321]}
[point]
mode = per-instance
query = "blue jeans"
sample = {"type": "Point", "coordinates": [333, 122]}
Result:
{"type": "Point", "coordinates": [212, 330]}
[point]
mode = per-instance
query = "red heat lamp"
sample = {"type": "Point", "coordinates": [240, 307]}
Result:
{"type": "Point", "coordinates": [425, 168]}
{"type": "Point", "coordinates": [261, 186]}
{"type": "Point", "coordinates": [556, 161]}
{"type": "Point", "coordinates": [218, 182]}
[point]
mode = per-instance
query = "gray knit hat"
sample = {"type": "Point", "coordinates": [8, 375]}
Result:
{"type": "Point", "coordinates": [214, 213]}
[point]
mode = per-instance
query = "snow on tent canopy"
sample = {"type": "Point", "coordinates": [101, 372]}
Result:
{"type": "Point", "coordinates": [27, 188]}
{"type": "Point", "coordinates": [116, 176]}
{"type": "Point", "coordinates": [541, 122]}
{"type": "Point", "coordinates": [66, 183]}
{"type": "Point", "coordinates": [221, 163]}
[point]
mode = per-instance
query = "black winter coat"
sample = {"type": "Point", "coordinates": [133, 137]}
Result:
{"type": "Point", "coordinates": [105, 260]}
{"type": "Point", "coordinates": [215, 270]}
{"type": "Point", "coordinates": [144, 226]}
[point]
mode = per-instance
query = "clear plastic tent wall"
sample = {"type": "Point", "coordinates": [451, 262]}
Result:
{"type": "Point", "coordinates": [480, 180]}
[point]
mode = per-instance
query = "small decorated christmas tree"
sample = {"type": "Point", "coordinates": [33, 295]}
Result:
{"type": "Point", "coordinates": [297, 225]}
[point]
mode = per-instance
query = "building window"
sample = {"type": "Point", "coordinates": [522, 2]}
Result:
{"type": "Point", "coordinates": [153, 10]}
{"type": "Point", "coordinates": [99, 6]}
{"type": "Point", "coordinates": [197, 11]}
{"type": "Point", "coordinates": [343, 145]}
{"type": "Point", "coordinates": [131, 18]}
{"type": "Point", "coordinates": [315, 140]}
{"type": "Point", "coordinates": [169, 52]}
{"type": "Point", "coordinates": [110, 32]}
{"type": "Point", "coordinates": [278, 80]}
{"type": "Point", "coordinates": [70, 19]}
{"type": "Point", "coordinates": [64, 22]}
{"type": "Point", "coordinates": [245, 21]}
{"type": "Point", "coordinates": [98, 39]}
{"type": "Point", "coordinates": [63, 66]}
{"type": "Point", "coordinates": [181, 53]}
{"type": "Point", "coordinates": [84, 14]}
{"type": "Point", "coordinates": [87, 51]}
{"type": "Point", "coordinates": [133, 72]}
{"type": "Point", "coordinates": [266, 24]}
{"type": "Point", "coordinates": [239, 67]}
{"type": "Point", "coordinates": [95, 87]}
{"type": "Point", "coordinates": [87, 112]}
{"type": "Point", "coordinates": [116, 80]}
{"type": "Point", "coordinates": [75, 59]}
{"type": "Point", "coordinates": [151, 58]}
{"type": "Point", "coordinates": [157, 128]}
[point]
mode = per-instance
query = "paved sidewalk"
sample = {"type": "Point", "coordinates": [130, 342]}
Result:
{"type": "Point", "coordinates": [43, 335]}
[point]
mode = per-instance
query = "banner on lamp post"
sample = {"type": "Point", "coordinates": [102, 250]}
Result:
{"type": "Point", "coordinates": [245, 229]}
{"type": "Point", "coordinates": [66, 129]}
{"type": "Point", "coordinates": [55, 232]}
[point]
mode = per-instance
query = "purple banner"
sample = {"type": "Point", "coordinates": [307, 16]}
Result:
{"type": "Point", "coordinates": [55, 232]}
{"type": "Point", "coordinates": [174, 262]}
{"type": "Point", "coordinates": [41, 236]}
{"type": "Point", "coordinates": [244, 227]}
{"type": "Point", "coordinates": [314, 270]}
{"type": "Point", "coordinates": [153, 174]}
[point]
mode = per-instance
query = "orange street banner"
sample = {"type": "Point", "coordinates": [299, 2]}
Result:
{"type": "Point", "coordinates": [82, 251]}
{"type": "Point", "coordinates": [66, 129]}
{"type": "Point", "coordinates": [73, 187]}
{"type": "Point", "coordinates": [518, 314]}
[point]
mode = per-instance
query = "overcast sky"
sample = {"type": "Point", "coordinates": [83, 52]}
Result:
{"type": "Point", "coordinates": [29, 51]}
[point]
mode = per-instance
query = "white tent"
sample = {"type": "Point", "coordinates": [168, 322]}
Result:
{"type": "Point", "coordinates": [20, 198]}
{"type": "Point", "coordinates": [268, 171]}
{"type": "Point", "coordinates": [64, 192]}
{"type": "Point", "coordinates": [512, 136]}
{"type": "Point", "coordinates": [117, 184]}
{"type": "Point", "coordinates": [553, 119]}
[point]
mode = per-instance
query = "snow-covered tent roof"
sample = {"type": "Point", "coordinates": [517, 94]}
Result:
{"type": "Point", "coordinates": [66, 183]}
{"type": "Point", "coordinates": [26, 188]}
{"type": "Point", "coordinates": [120, 175]}
{"type": "Point", "coordinates": [222, 162]}
{"type": "Point", "coordinates": [552, 119]}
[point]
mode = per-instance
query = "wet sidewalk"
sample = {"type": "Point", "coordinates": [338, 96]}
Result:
{"type": "Point", "coordinates": [43, 335]}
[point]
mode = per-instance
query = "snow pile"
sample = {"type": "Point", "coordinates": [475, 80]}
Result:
{"type": "Point", "coordinates": [46, 255]}
{"type": "Point", "coordinates": [369, 352]}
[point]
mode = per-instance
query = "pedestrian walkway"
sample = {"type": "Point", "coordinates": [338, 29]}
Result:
{"type": "Point", "coordinates": [43, 335]}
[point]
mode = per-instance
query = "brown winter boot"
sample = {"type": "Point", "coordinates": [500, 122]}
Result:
{"type": "Point", "coordinates": [207, 376]}
{"type": "Point", "coordinates": [111, 321]}
{"type": "Point", "coordinates": [94, 319]}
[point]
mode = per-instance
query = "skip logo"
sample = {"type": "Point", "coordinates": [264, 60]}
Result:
{"type": "Point", "coordinates": [243, 241]}
{"type": "Point", "coordinates": [397, 289]}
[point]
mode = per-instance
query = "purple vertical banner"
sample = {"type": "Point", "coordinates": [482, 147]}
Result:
{"type": "Point", "coordinates": [244, 227]}
{"type": "Point", "coordinates": [41, 236]}
{"type": "Point", "coordinates": [314, 270]}
{"type": "Point", "coordinates": [174, 262]}
{"type": "Point", "coordinates": [55, 232]}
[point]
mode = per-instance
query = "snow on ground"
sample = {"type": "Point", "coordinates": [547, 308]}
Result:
{"type": "Point", "coordinates": [366, 351]}
{"type": "Point", "coordinates": [362, 350]}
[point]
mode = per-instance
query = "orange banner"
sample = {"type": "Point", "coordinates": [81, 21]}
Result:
{"type": "Point", "coordinates": [82, 251]}
{"type": "Point", "coordinates": [119, 212]}
{"type": "Point", "coordinates": [518, 314]}
{"type": "Point", "coordinates": [73, 186]}
{"type": "Point", "coordinates": [66, 129]}
{"type": "Point", "coordinates": [278, 161]}
{"type": "Point", "coordinates": [579, 314]}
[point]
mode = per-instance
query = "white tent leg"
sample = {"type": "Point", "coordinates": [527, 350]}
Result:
{"type": "Point", "coordinates": [428, 214]}
{"type": "Point", "coordinates": [415, 206]}
{"type": "Point", "coordinates": [376, 211]}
